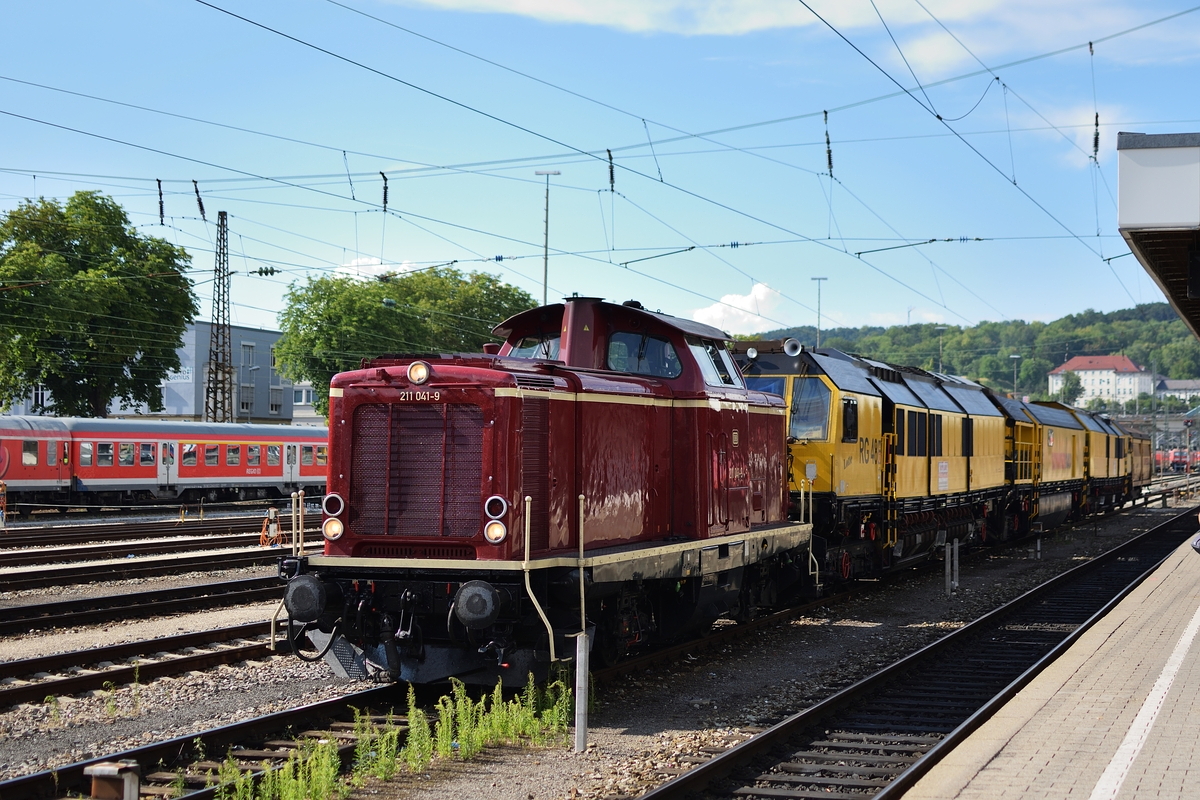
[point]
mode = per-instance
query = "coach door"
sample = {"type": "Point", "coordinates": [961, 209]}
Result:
{"type": "Point", "coordinates": [168, 466]}
{"type": "Point", "coordinates": [291, 464]}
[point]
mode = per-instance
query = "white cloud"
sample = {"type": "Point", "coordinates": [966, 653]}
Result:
{"type": "Point", "coordinates": [371, 267]}
{"type": "Point", "coordinates": [995, 30]}
{"type": "Point", "coordinates": [1078, 124]}
{"type": "Point", "coordinates": [739, 313]}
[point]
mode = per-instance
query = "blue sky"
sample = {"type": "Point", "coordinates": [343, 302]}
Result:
{"type": "Point", "coordinates": [713, 111]}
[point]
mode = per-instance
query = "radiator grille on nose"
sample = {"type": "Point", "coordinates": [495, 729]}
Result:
{"type": "Point", "coordinates": [416, 470]}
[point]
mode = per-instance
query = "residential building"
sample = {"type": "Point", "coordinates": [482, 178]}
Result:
{"type": "Point", "coordinates": [1183, 389]}
{"type": "Point", "coordinates": [1112, 378]}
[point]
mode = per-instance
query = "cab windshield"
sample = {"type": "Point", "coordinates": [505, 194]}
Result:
{"type": "Point", "coordinates": [810, 409]}
{"type": "Point", "coordinates": [771, 384]}
{"type": "Point", "coordinates": [536, 347]}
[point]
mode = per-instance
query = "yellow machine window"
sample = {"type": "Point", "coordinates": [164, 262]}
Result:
{"type": "Point", "coordinates": [810, 409]}
{"type": "Point", "coordinates": [773, 384]}
{"type": "Point", "coordinates": [849, 419]}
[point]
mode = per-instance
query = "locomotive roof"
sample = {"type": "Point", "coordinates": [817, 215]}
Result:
{"type": "Point", "coordinates": [154, 427]}
{"type": "Point", "coordinates": [543, 317]}
{"type": "Point", "coordinates": [1011, 407]}
{"type": "Point", "coordinates": [846, 372]}
{"type": "Point", "coordinates": [1048, 415]}
{"type": "Point", "coordinates": [930, 393]}
{"type": "Point", "coordinates": [970, 396]}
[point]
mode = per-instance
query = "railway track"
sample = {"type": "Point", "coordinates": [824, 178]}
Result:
{"type": "Point", "coordinates": [65, 554]}
{"type": "Point", "coordinates": [877, 737]}
{"type": "Point", "coordinates": [59, 535]}
{"type": "Point", "coordinates": [70, 613]}
{"type": "Point", "coordinates": [121, 569]}
{"type": "Point", "coordinates": [269, 738]}
{"type": "Point", "coordinates": [32, 680]}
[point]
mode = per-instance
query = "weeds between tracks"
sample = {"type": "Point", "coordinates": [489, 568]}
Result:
{"type": "Point", "coordinates": [463, 728]}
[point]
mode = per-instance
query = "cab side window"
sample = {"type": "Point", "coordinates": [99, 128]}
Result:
{"type": "Point", "coordinates": [715, 364]}
{"type": "Point", "coordinates": [643, 354]}
{"type": "Point", "coordinates": [29, 453]}
{"type": "Point", "coordinates": [849, 419]}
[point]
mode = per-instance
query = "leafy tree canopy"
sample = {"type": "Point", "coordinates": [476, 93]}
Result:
{"type": "Point", "coordinates": [89, 309]}
{"type": "Point", "coordinates": [330, 324]}
{"type": "Point", "coordinates": [1150, 334]}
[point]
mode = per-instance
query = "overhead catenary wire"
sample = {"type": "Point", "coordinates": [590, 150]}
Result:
{"type": "Point", "coordinates": [985, 159]}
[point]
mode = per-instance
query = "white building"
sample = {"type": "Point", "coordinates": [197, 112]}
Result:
{"type": "Point", "coordinates": [1107, 377]}
{"type": "Point", "coordinates": [1183, 389]}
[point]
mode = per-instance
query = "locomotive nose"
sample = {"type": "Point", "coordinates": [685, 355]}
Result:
{"type": "Point", "coordinates": [305, 598]}
{"type": "Point", "coordinates": [477, 604]}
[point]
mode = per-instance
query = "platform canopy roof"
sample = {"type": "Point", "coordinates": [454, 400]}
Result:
{"type": "Point", "coordinates": [1158, 213]}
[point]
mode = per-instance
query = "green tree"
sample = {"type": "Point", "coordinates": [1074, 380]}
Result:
{"type": "Point", "coordinates": [1072, 387]}
{"type": "Point", "coordinates": [89, 308]}
{"type": "Point", "coordinates": [330, 324]}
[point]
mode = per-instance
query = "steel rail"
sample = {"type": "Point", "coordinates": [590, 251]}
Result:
{"type": "Point", "coordinates": [824, 715]}
{"type": "Point", "coordinates": [63, 554]}
{"type": "Point", "coordinates": [122, 569]}
{"type": "Point", "coordinates": [31, 536]}
{"type": "Point", "coordinates": [70, 779]}
{"type": "Point", "coordinates": [70, 613]}
{"type": "Point", "coordinates": [57, 686]}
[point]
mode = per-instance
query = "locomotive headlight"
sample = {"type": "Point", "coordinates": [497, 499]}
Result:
{"type": "Point", "coordinates": [333, 505]}
{"type": "Point", "coordinates": [495, 531]}
{"type": "Point", "coordinates": [495, 507]}
{"type": "Point", "coordinates": [333, 529]}
{"type": "Point", "coordinates": [418, 372]}
{"type": "Point", "coordinates": [751, 353]}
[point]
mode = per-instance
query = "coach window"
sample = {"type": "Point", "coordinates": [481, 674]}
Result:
{"type": "Point", "coordinates": [810, 410]}
{"type": "Point", "coordinates": [29, 453]}
{"type": "Point", "coordinates": [233, 455]}
{"type": "Point", "coordinates": [125, 454]}
{"type": "Point", "coordinates": [322, 455]}
{"type": "Point", "coordinates": [272, 455]}
{"type": "Point", "coordinates": [85, 454]}
{"type": "Point", "coordinates": [252, 451]}
{"type": "Point", "coordinates": [306, 455]}
{"type": "Point", "coordinates": [104, 454]}
{"type": "Point", "coordinates": [189, 455]}
{"type": "Point", "coordinates": [146, 454]}
{"type": "Point", "coordinates": [643, 354]}
{"type": "Point", "coordinates": [211, 454]}
{"type": "Point", "coordinates": [849, 419]}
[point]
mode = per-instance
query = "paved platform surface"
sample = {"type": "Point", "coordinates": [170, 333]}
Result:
{"type": "Point", "coordinates": [1117, 716]}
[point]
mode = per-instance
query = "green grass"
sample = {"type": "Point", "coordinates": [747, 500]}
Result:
{"type": "Point", "coordinates": [538, 716]}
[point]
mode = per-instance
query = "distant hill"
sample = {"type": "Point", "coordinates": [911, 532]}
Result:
{"type": "Point", "coordinates": [1151, 334]}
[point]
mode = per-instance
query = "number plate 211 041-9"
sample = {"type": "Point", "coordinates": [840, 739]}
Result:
{"type": "Point", "coordinates": [417, 396]}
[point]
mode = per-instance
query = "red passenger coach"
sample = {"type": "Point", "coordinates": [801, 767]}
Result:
{"type": "Point", "coordinates": [58, 462]}
{"type": "Point", "coordinates": [467, 493]}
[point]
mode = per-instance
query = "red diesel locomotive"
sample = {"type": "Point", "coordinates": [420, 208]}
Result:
{"type": "Point", "coordinates": [470, 496]}
{"type": "Point", "coordinates": [58, 462]}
